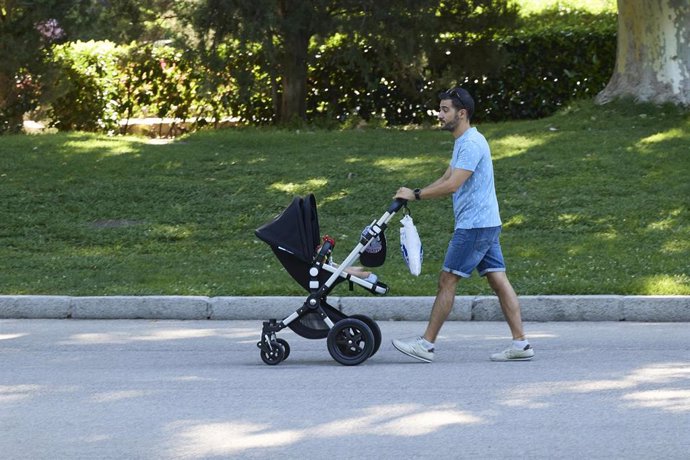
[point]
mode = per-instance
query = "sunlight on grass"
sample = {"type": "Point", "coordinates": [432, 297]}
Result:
{"type": "Point", "coordinates": [334, 197]}
{"type": "Point", "coordinates": [398, 164]}
{"type": "Point", "coordinates": [172, 165]}
{"type": "Point", "coordinates": [593, 6]}
{"type": "Point", "coordinates": [510, 146]}
{"type": "Point", "coordinates": [608, 236]}
{"type": "Point", "coordinates": [669, 284]}
{"type": "Point", "coordinates": [668, 223]}
{"type": "Point", "coordinates": [171, 232]}
{"type": "Point", "coordinates": [118, 152]}
{"type": "Point", "coordinates": [517, 219]}
{"type": "Point", "coordinates": [95, 251]}
{"type": "Point", "coordinates": [675, 247]}
{"type": "Point", "coordinates": [105, 147]}
{"type": "Point", "coordinates": [569, 219]}
{"type": "Point", "coordinates": [309, 186]}
{"type": "Point", "coordinates": [671, 134]}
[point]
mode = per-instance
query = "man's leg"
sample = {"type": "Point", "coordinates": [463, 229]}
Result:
{"type": "Point", "coordinates": [422, 348]}
{"type": "Point", "coordinates": [443, 304]}
{"type": "Point", "coordinates": [509, 302]}
{"type": "Point", "coordinates": [520, 350]}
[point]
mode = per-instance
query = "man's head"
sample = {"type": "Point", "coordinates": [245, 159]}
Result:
{"type": "Point", "coordinates": [460, 98]}
{"type": "Point", "coordinates": [455, 110]}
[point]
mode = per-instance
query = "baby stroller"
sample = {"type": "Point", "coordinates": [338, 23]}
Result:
{"type": "Point", "coordinates": [294, 238]}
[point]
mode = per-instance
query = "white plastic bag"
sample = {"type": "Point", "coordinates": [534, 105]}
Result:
{"type": "Point", "coordinates": [411, 245]}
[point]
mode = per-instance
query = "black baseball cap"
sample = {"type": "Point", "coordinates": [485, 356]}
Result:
{"type": "Point", "coordinates": [461, 97]}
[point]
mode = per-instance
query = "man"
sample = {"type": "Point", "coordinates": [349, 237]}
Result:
{"type": "Point", "coordinates": [475, 243]}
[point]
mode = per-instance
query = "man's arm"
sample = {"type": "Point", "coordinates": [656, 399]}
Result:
{"type": "Point", "coordinates": [447, 184]}
{"type": "Point", "coordinates": [444, 177]}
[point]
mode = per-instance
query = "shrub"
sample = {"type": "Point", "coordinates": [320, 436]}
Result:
{"type": "Point", "coordinates": [102, 84]}
{"type": "Point", "coordinates": [158, 80]}
{"type": "Point", "coordinates": [87, 93]}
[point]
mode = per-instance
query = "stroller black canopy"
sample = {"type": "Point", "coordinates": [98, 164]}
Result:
{"type": "Point", "coordinates": [295, 230]}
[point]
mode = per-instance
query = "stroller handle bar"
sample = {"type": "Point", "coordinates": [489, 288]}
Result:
{"type": "Point", "coordinates": [397, 205]}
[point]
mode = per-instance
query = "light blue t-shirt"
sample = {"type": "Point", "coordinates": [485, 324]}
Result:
{"type": "Point", "coordinates": [475, 203]}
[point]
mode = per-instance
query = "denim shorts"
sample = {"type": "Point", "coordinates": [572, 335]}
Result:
{"type": "Point", "coordinates": [474, 248]}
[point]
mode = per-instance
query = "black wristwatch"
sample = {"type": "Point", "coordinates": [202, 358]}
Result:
{"type": "Point", "coordinates": [417, 194]}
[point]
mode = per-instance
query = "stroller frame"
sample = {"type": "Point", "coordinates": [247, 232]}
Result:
{"type": "Point", "coordinates": [351, 340]}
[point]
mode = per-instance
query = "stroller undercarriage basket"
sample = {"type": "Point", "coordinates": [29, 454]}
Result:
{"type": "Point", "coordinates": [294, 238]}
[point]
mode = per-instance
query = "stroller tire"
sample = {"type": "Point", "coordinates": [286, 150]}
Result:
{"type": "Point", "coordinates": [350, 341]}
{"type": "Point", "coordinates": [286, 348]}
{"type": "Point", "coordinates": [273, 356]}
{"type": "Point", "coordinates": [375, 329]}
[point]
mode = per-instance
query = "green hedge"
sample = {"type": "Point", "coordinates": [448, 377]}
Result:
{"type": "Point", "coordinates": [529, 74]}
{"type": "Point", "coordinates": [545, 68]}
{"type": "Point", "coordinates": [552, 59]}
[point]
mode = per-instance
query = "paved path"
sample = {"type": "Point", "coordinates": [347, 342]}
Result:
{"type": "Point", "coordinates": [141, 389]}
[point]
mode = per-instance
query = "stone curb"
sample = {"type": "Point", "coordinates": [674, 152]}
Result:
{"type": "Point", "coordinates": [466, 308]}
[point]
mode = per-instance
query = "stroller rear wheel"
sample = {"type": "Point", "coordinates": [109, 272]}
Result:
{"type": "Point", "coordinates": [350, 341]}
{"type": "Point", "coordinates": [275, 355]}
{"type": "Point", "coordinates": [375, 329]}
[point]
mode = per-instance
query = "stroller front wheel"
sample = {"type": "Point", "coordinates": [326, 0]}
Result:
{"type": "Point", "coordinates": [286, 348]}
{"type": "Point", "coordinates": [275, 355]}
{"type": "Point", "coordinates": [350, 342]}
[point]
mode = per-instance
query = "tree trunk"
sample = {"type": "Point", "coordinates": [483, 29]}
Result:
{"type": "Point", "coordinates": [6, 85]}
{"type": "Point", "coordinates": [10, 119]}
{"type": "Point", "coordinates": [296, 33]}
{"type": "Point", "coordinates": [653, 55]}
{"type": "Point", "coordinates": [294, 80]}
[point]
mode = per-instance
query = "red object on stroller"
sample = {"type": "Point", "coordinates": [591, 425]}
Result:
{"type": "Point", "coordinates": [294, 238]}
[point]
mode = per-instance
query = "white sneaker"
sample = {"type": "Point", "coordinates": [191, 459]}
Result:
{"type": "Point", "coordinates": [414, 348]}
{"type": "Point", "coordinates": [514, 354]}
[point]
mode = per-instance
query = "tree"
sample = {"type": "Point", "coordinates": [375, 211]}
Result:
{"type": "Point", "coordinates": [122, 21]}
{"type": "Point", "coordinates": [398, 33]}
{"type": "Point", "coordinates": [285, 29]}
{"type": "Point", "coordinates": [26, 30]}
{"type": "Point", "coordinates": [653, 55]}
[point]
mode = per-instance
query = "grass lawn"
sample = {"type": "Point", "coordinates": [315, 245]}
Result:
{"type": "Point", "coordinates": [594, 200]}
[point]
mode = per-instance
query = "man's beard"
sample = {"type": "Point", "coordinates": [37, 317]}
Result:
{"type": "Point", "coordinates": [451, 125]}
